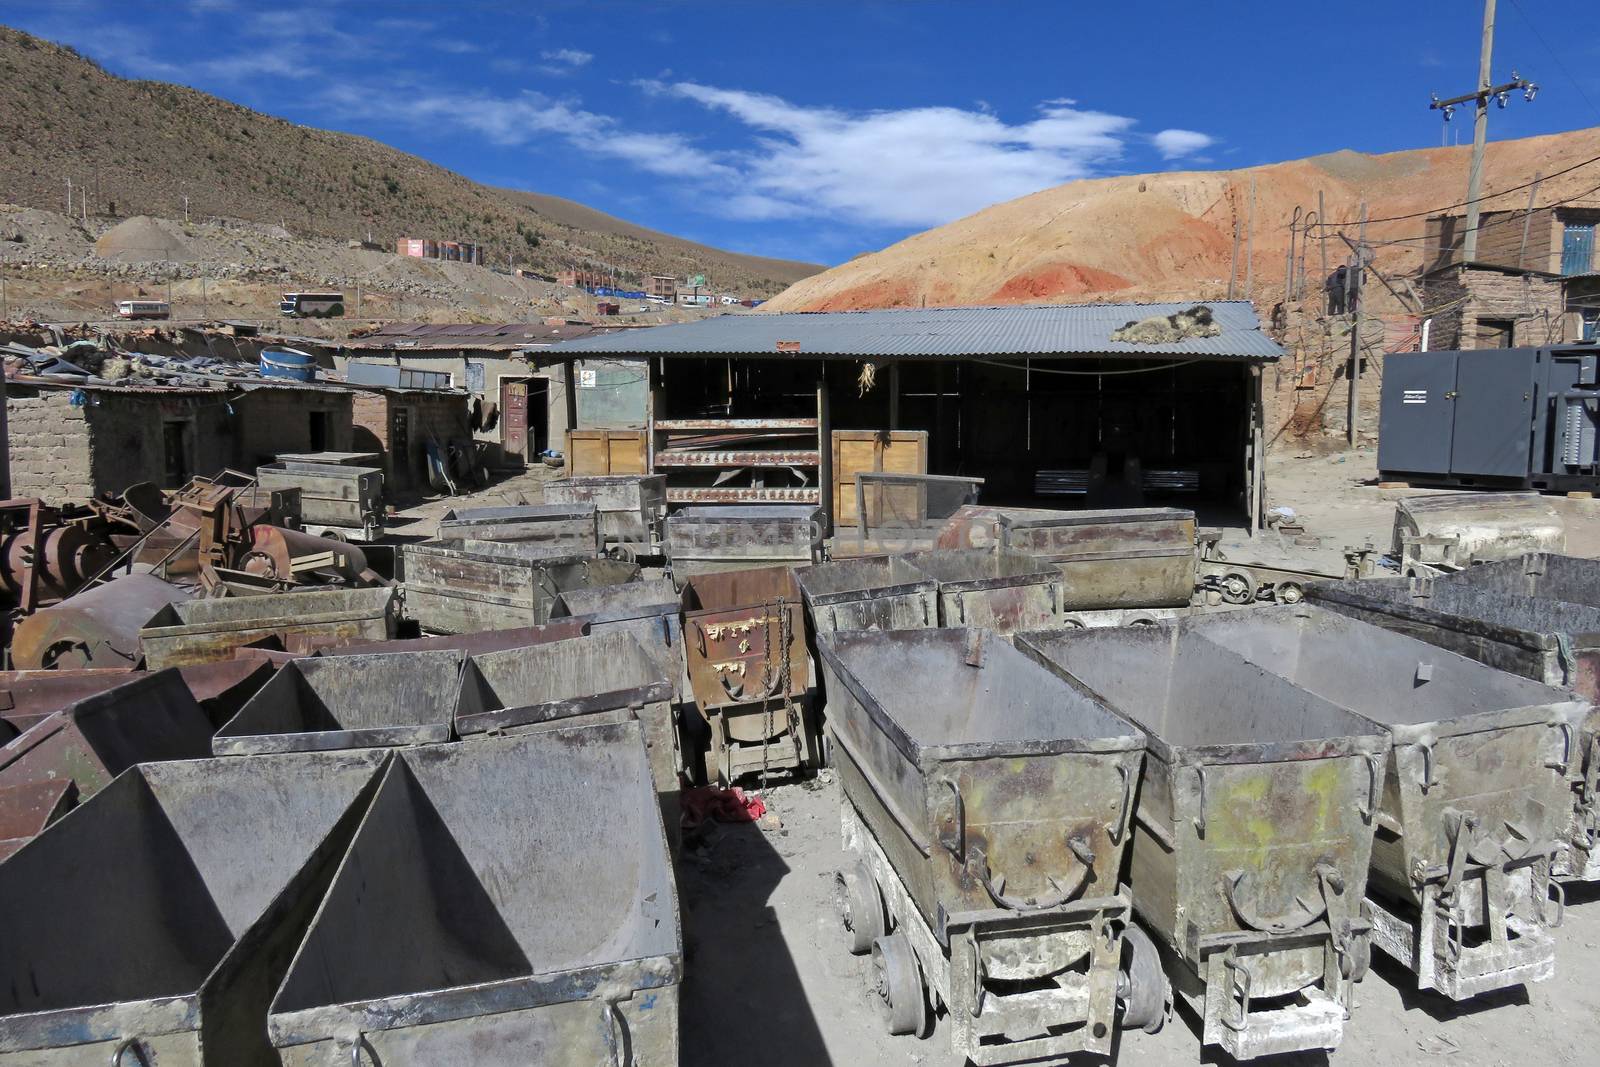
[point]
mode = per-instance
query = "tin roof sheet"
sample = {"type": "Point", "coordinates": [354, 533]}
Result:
{"type": "Point", "coordinates": [962, 332]}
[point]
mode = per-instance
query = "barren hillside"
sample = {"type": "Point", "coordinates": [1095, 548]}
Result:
{"type": "Point", "coordinates": [1170, 235]}
{"type": "Point", "coordinates": [143, 146]}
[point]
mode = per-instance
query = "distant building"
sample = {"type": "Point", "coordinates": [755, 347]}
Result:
{"type": "Point", "coordinates": [582, 279]}
{"type": "Point", "coordinates": [663, 286]}
{"type": "Point", "coordinates": [1533, 279]}
{"type": "Point", "coordinates": [427, 248]}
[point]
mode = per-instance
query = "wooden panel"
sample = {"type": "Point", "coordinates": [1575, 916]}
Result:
{"type": "Point", "coordinates": [601, 451]}
{"type": "Point", "coordinates": [625, 449]}
{"type": "Point", "coordinates": [894, 451]}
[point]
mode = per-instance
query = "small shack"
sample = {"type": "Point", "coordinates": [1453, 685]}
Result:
{"type": "Point", "coordinates": [1051, 405]}
{"type": "Point", "coordinates": [73, 441]}
{"type": "Point", "coordinates": [509, 395]}
{"type": "Point", "coordinates": [401, 424]}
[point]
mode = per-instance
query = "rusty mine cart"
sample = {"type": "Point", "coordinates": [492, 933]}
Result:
{"type": "Point", "coordinates": [1252, 834]}
{"type": "Point", "coordinates": [985, 810]}
{"type": "Point", "coordinates": [1479, 791]}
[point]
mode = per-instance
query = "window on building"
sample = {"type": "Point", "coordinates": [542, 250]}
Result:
{"type": "Point", "coordinates": [319, 431]}
{"type": "Point", "coordinates": [1589, 327]}
{"type": "Point", "coordinates": [1496, 333]}
{"type": "Point", "coordinates": [176, 468]}
{"type": "Point", "coordinates": [1577, 249]}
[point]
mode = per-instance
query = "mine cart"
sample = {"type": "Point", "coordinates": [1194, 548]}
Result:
{"type": "Point", "coordinates": [1121, 558]}
{"type": "Point", "coordinates": [868, 593]}
{"type": "Point", "coordinates": [1444, 532]}
{"type": "Point", "coordinates": [96, 628]}
{"type": "Point", "coordinates": [632, 508]}
{"type": "Point", "coordinates": [1253, 833]}
{"type": "Point", "coordinates": [200, 631]}
{"type": "Point", "coordinates": [1479, 798]}
{"type": "Point", "coordinates": [1538, 616]}
{"type": "Point", "coordinates": [179, 893]}
{"type": "Point", "coordinates": [335, 499]}
{"type": "Point", "coordinates": [985, 807]}
{"type": "Point", "coordinates": [572, 528]}
{"type": "Point", "coordinates": [372, 701]}
{"type": "Point", "coordinates": [745, 641]}
{"type": "Point", "coordinates": [648, 610]}
{"type": "Point", "coordinates": [996, 588]}
{"type": "Point", "coordinates": [149, 718]}
{"type": "Point", "coordinates": [703, 540]}
{"type": "Point", "coordinates": [601, 678]}
{"type": "Point", "coordinates": [470, 643]}
{"type": "Point", "coordinates": [461, 586]}
{"type": "Point", "coordinates": [506, 903]}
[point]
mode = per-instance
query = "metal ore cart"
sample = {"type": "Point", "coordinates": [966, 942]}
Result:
{"type": "Point", "coordinates": [601, 678]}
{"type": "Point", "coordinates": [868, 593]}
{"type": "Point", "coordinates": [180, 892]}
{"type": "Point", "coordinates": [1479, 798]}
{"type": "Point", "coordinates": [200, 631]}
{"type": "Point", "coordinates": [462, 586]}
{"type": "Point", "coordinates": [647, 610]}
{"type": "Point", "coordinates": [336, 499]}
{"type": "Point", "coordinates": [539, 915]}
{"type": "Point", "coordinates": [632, 508]}
{"type": "Point", "coordinates": [573, 528]}
{"type": "Point", "coordinates": [372, 701]}
{"type": "Point", "coordinates": [999, 589]}
{"type": "Point", "coordinates": [745, 641]}
{"type": "Point", "coordinates": [1253, 832]}
{"type": "Point", "coordinates": [985, 807]}
{"type": "Point", "coordinates": [1118, 558]}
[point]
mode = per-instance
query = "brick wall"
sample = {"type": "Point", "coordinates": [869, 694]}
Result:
{"type": "Point", "coordinates": [1532, 303]}
{"type": "Point", "coordinates": [271, 421]}
{"type": "Point", "coordinates": [128, 441]}
{"type": "Point", "coordinates": [49, 445]}
{"type": "Point", "coordinates": [439, 417]}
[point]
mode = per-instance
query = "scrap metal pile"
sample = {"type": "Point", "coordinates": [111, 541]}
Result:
{"type": "Point", "coordinates": [1056, 826]}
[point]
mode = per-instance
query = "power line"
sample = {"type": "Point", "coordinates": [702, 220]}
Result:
{"type": "Point", "coordinates": [1463, 203]}
{"type": "Point", "coordinates": [1552, 53]}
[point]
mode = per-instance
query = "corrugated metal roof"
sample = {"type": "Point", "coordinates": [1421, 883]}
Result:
{"type": "Point", "coordinates": [965, 332]}
{"type": "Point", "coordinates": [482, 337]}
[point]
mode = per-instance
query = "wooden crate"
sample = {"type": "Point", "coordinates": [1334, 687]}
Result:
{"type": "Point", "coordinates": [603, 451]}
{"type": "Point", "coordinates": [894, 451]}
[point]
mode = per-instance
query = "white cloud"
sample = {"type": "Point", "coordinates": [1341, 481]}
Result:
{"type": "Point", "coordinates": [561, 61]}
{"type": "Point", "coordinates": [912, 167]}
{"type": "Point", "coordinates": [522, 119]}
{"type": "Point", "coordinates": [1175, 144]}
{"type": "Point", "coordinates": [571, 56]}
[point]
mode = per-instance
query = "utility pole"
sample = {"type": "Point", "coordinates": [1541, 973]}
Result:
{"type": "Point", "coordinates": [1480, 126]}
{"type": "Point", "coordinates": [69, 198]}
{"type": "Point", "coordinates": [1354, 301]}
{"type": "Point", "coordinates": [1250, 244]}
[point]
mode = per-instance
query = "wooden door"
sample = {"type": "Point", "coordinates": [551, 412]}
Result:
{"type": "Point", "coordinates": [894, 451]}
{"type": "Point", "coordinates": [514, 419]}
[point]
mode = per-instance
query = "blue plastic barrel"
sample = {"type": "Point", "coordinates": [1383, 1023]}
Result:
{"type": "Point", "coordinates": [288, 363]}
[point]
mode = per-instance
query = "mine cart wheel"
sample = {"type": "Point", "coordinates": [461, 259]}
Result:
{"type": "Point", "coordinates": [1289, 593]}
{"type": "Point", "coordinates": [333, 533]}
{"type": "Point", "coordinates": [1142, 984]}
{"type": "Point", "coordinates": [622, 554]}
{"type": "Point", "coordinates": [899, 984]}
{"type": "Point", "coordinates": [1238, 587]}
{"type": "Point", "coordinates": [855, 892]}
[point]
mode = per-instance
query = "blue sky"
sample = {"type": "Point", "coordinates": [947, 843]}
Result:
{"type": "Point", "coordinates": [820, 130]}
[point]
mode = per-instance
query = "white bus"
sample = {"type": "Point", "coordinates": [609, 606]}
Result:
{"type": "Point", "coordinates": [144, 309]}
{"type": "Point", "coordinates": [312, 305]}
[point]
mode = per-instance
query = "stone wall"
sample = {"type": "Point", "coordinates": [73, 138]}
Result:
{"type": "Point", "coordinates": [1532, 303]}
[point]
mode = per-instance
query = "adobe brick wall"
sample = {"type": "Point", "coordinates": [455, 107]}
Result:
{"type": "Point", "coordinates": [1533, 303]}
{"type": "Point", "coordinates": [271, 421]}
{"type": "Point", "coordinates": [49, 441]}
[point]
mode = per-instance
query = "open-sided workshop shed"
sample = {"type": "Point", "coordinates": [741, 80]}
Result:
{"type": "Point", "coordinates": [1037, 400]}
